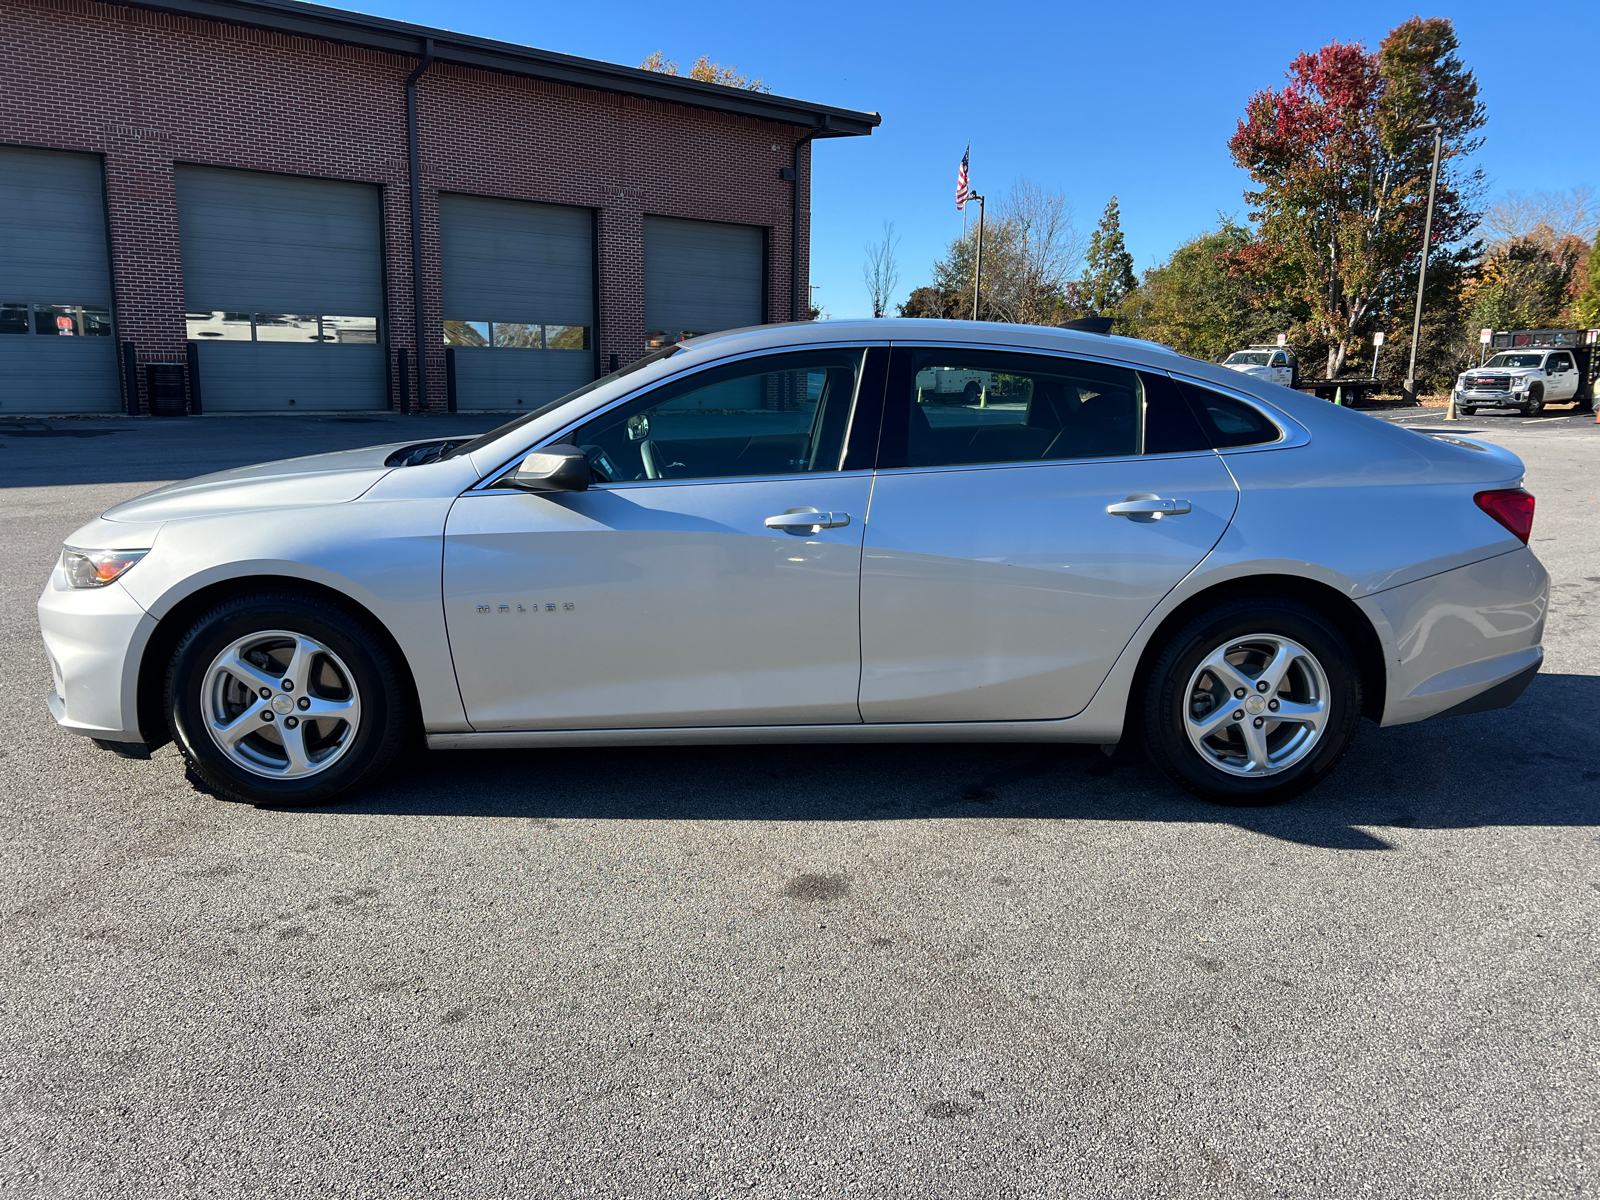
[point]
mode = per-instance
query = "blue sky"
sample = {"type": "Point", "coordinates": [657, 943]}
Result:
{"type": "Point", "coordinates": [1093, 99]}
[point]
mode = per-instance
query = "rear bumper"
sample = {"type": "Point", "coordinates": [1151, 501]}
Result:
{"type": "Point", "coordinates": [1466, 636]}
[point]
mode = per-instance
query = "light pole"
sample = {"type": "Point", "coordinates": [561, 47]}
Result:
{"type": "Point", "coordinates": [1410, 389]}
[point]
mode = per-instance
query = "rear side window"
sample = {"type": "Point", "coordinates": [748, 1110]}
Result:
{"type": "Point", "coordinates": [1228, 422]}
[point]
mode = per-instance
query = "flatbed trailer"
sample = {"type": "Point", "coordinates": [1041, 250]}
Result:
{"type": "Point", "coordinates": [1352, 393]}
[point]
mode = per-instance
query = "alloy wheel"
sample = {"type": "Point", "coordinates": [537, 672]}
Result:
{"type": "Point", "coordinates": [1256, 705]}
{"type": "Point", "coordinates": [280, 704]}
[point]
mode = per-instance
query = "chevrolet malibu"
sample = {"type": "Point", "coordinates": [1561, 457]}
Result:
{"type": "Point", "coordinates": [853, 531]}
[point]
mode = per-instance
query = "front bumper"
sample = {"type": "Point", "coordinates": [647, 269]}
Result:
{"type": "Point", "coordinates": [1462, 634]}
{"type": "Point", "coordinates": [1491, 399]}
{"type": "Point", "coordinates": [94, 638]}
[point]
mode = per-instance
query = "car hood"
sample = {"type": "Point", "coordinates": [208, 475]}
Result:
{"type": "Point", "coordinates": [288, 483]}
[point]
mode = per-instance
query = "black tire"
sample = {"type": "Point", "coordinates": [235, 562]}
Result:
{"type": "Point", "coordinates": [1534, 405]}
{"type": "Point", "coordinates": [386, 709]}
{"type": "Point", "coordinates": [1165, 707]}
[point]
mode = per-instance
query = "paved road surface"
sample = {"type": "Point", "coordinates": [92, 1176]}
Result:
{"type": "Point", "coordinates": [938, 971]}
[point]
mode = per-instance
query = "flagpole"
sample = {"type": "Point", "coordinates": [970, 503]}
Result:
{"type": "Point", "coordinates": [977, 271]}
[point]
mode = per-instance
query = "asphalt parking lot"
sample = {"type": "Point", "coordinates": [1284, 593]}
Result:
{"type": "Point", "coordinates": [961, 971]}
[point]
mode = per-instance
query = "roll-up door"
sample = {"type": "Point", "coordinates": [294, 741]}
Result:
{"type": "Point", "coordinates": [701, 277]}
{"type": "Point", "coordinates": [57, 349]}
{"type": "Point", "coordinates": [283, 289]}
{"type": "Point", "coordinates": [518, 282]}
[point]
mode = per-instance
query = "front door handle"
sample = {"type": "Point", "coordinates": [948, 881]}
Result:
{"type": "Point", "coordinates": [1149, 507]}
{"type": "Point", "coordinates": [804, 521]}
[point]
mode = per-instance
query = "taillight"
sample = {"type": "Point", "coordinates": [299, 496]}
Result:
{"type": "Point", "coordinates": [1512, 507]}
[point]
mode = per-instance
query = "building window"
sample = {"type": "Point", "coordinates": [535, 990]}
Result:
{"type": "Point", "coordinates": [301, 328]}
{"type": "Point", "coordinates": [516, 335]}
{"type": "Point", "coordinates": [350, 331]}
{"type": "Point", "coordinates": [287, 327]}
{"type": "Point", "coordinates": [55, 320]}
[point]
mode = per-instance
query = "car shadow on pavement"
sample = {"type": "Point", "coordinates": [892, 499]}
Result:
{"type": "Point", "coordinates": [1536, 763]}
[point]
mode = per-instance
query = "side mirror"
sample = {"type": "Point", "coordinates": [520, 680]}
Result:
{"type": "Point", "coordinates": [559, 468]}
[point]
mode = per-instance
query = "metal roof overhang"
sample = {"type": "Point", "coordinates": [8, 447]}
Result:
{"type": "Point", "coordinates": [399, 37]}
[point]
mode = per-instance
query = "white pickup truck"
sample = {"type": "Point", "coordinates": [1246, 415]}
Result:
{"type": "Point", "coordinates": [1526, 380]}
{"type": "Point", "coordinates": [1277, 364]}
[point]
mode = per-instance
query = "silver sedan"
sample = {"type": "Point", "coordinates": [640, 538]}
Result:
{"type": "Point", "coordinates": [853, 531]}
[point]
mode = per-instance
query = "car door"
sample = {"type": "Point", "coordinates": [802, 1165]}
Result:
{"type": "Point", "coordinates": [1562, 377]}
{"type": "Point", "coordinates": [1015, 545]}
{"type": "Point", "coordinates": [681, 589]}
{"type": "Point", "coordinates": [1281, 372]}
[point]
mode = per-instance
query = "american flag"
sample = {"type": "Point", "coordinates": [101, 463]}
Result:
{"type": "Point", "coordinates": [961, 180]}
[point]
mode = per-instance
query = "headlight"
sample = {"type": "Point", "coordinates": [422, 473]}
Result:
{"type": "Point", "coordinates": [96, 568]}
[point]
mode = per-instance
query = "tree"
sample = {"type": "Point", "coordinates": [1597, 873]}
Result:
{"type": "Point", "coordinates": [1108, 275]}
{"type": "Point", "coordinates": [706, 71]}
{"type": "Point", "coordinates": [1200, 302]}
{"type": "Point", "coordinates": [1586, 304]}
{"type": "Point", "coordinates": [881, 272]}
{"type": "Point", "coordinates": [1564, 214]}
{"type": "Point", "coordinates": [1526, 283]}
{"type": "Point", "coordinates": [1341, 160]}
{"type": "Point", "coordinates": [1030, 250]}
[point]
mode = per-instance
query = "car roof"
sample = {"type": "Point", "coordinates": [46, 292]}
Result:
{"type": "Point", "coordinates": [913, 329]}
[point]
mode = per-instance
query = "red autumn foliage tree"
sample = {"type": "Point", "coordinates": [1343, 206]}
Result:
{"type": "Point", "coordinates": [1341, 158]}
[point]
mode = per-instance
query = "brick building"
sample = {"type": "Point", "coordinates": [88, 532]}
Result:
{"type": "Point", "coordinates": [226, 186]}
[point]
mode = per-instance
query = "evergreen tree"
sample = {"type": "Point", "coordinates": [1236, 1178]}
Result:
{"type": "Point", "coordinates": [1108, 276]}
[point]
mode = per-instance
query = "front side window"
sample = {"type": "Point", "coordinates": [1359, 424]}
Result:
{"type": "Point", "coordinates": [968, 407]}
{"type": "Point", "coordinates": [781, 414]}
{"type": "Point", "coordinates": [1557, 364]}
{"type": "Point", "coordinates": [1280, 359]}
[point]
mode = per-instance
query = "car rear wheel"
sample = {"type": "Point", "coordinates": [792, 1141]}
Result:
{"type": "Point", "coordinates": [1253, 701]}
{"type": "Point", "coordinates": [276, 698]}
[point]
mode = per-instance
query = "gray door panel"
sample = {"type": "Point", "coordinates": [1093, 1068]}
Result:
{"type": "Point", "coordinates": [517, 262]}
{"type": "Point", "coordinates": [52, 228]}
{"type": "Point", "coordinates": [496, 379]}
{"type": "Point", "coordinates": [263, 243]}
{"type": "Point", "coordinates": [279, 243]}
{"type": "Point", "coordinates": [58, 375]}
{"type": "Point", "coordinates": [262, 377]}
{"type": "Point", "coordinates": [53, 251]}
{"type": "Point", "coordinates": [700, 276]}
{"type": "Point", "coordinates": [509, 260]}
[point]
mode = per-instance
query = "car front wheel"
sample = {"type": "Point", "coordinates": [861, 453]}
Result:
{"type": "Point", "coordinates": [276, 698]}
{"type": "Point", "coordinates": [1253, 701]}
{"type": "Point", "coordinates": [1535, 402]}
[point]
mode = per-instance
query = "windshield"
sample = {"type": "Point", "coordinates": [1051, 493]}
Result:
{"type": "Point", "coordinates": [1514, 360]}
{"type": "Point", "coordinates": [500, 431]}
{"type": "Point", "coordinates": [1246, 358]}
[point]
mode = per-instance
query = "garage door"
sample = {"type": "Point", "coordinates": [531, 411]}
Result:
{"type": "Point", "coordinates": [57, 350]}
{"type": "Point", "coordinates": [518, 282]}
{"type": "Point", "coordinates": [700, 277]}
{"type": "Point", "coordinates": [283, 288]}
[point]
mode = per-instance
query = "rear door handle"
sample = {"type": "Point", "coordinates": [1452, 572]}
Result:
{"type": "Point", "coordinates": [802, 521]}
{"type": "Point", "coordinates": [1149, 506]}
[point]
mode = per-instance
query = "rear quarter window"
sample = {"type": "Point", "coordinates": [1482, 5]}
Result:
{"type": "Point", "coordinates": [1226, 421]}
